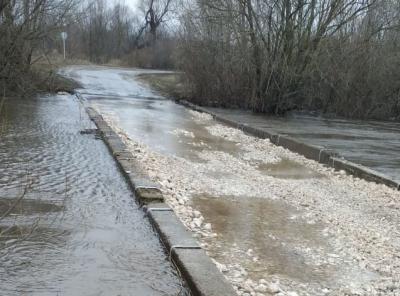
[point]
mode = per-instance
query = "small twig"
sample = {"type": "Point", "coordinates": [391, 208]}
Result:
{"type": "Point", "coordinates": [10, 209]}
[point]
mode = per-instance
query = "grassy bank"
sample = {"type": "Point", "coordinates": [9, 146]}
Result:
{"type": "Point", "coordinates": [46, 79]}
{"type": "Point", "coordinates": [169, 84]}
{"type": "Point", "coordinates": [40, 77]}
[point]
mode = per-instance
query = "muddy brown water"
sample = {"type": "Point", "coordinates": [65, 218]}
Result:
{"type": "Point", "coordinates": [79, 230]}
{"type": "Point", "coordinates": [275, 240]}
{"type": "Point", "coordinates": [288, 169]}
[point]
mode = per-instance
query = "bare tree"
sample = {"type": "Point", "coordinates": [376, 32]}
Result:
{"type": "Point", "coordinates": [24, 26]}
{"type": "Point", "coordinates": [291, 54]}
{"type": "Point", "coordinates": [155, 12]}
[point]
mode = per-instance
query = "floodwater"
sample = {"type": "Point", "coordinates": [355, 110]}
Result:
{"type": "Point", "coordinates": [145, 115]}
{"type": "Point", "coordinates": [375, 144]}
{"type": "Point", "coordinates": [77, 230]}
{"type": "Point", "coordinates": [275, 240]}
{"type": "Point", "coordinates": [288, 169]}
{"type": "Point", "coordinates": [285, 243]}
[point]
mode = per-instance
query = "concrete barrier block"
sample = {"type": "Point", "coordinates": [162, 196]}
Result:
{"type": "Point", "coordinates": [141, 180]}
{"type": "Point", "coordinates": [116, 144]}
{"type": "Point", "coordinates": [157, 207]}
{"type": "Point", "coordinates": [325, 156]}
{"type": "Point", "coordinates": [171, 230]}
{"type": "Point", "coordinates": [200, 273]}
{"type": "Point", "coordinates": [108, 132]}
{"type": "Point", "coordinates": [102, 124]}
{"type": "Point", "coordinates": [309, 151]}
{"type": "Point", "coordinates": [126, 166]}
{"type": "Point", "coordinates": [123, 155]}
{"type": "Point", "coordinates": [112, 136]}
{"type": "Point", "coordinates": [253, 131]}
{"type": "Point", "coordinates": [271, 135]}
{"type": "Point", "coordinates": [147, 195]}
{"type": "Point", "coordinates": [91, 112]}
{"type": "Point", "coordinates": [98, 120]}
{"type": "Point", "coordinates": [363, 172]}
{"type": "Point", "coordinates": [227, 121]}
{"type": "Point", "coordinates": [257, 132]}
{"type": "Point", "coordinates": [274, 139]}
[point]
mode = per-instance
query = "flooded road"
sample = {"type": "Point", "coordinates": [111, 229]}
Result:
{"type": "Point", "coordinates": [144, 114]}
{"type": "Point", "coordinates": [274, 221]}
{"type": "Point", "coordinates": [375, 144]}
{"type": "Point", "coordinates": [77, 230]}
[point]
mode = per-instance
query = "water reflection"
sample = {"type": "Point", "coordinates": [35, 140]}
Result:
{"type": "Point", "coordinates": [270, 238]}
{"type": "Point", "coordinates": [26, 206]}
{"type": "Point", "coordinates": [163, 125]}
{"type": "Point", "coordinates": [288, 169]}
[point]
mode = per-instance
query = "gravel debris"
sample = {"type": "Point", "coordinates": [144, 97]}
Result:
{"type": "Point", "coordinates": [362, 218]}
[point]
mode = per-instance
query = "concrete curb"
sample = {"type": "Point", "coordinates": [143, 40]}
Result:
{"type": "Point", "coordinates": [196, 268]}
{"type": "Point", "coordinates": [320, 154]}
{"type": "Point", "coordinates": [363, 172]}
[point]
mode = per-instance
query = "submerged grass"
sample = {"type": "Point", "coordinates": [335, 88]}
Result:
{"type": "Point", "coordinates": [169, 84]}
{"type": "Point", "coordinates": [48, 79]}
{"type": "Point", "coordinates": [40, 77]}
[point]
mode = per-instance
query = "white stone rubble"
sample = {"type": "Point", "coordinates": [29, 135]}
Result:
{"type": "Point", "coordinates": [362, 217]}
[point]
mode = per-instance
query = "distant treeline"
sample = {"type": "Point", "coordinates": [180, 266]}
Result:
{"type": "Point", "coordinates": [339, 56]}
{"type": "Point", "coordinates": [115, 33]}
{"type": "Point", "coordinates": [272, 56]}
{"type": "Point", "coordinates": [98, 31]}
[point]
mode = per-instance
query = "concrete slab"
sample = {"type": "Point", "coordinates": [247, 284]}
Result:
{"type": "Point", "coordinates": [363, 172]}
{"type": "Point", "coordinates": [157, 206]}
{"type": "Point", "coordinates": [140, 180]}
{"type": "Point", "coordinates": [147, 195]}
{"type": "Point", "coordinates": [123, 155]}
{"type": "Point", "coordinates": [200, 273]}
{"type": "Point", "coordinates": [116, 144]}
{"type": "Point", "coordinates": [309, 151]}
{"type": "Point", "coordinates": [171, 230]}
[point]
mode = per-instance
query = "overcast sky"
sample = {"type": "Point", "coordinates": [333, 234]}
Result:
{"type": "Point", "coordinates": [131, 3]}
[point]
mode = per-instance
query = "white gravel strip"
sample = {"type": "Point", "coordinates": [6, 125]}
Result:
{"type": "Point", "coordinates": [362, 217]}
